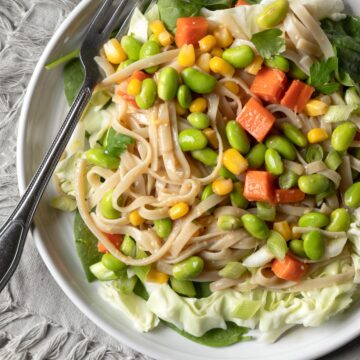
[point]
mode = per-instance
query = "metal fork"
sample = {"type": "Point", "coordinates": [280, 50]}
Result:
{"type": "Point", "coordinates": [13, 233]}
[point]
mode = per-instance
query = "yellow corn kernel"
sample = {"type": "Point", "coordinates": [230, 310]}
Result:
{"type": "Point", "coordinates": [157, 27]}
{"type": "Point", "coordinates": [255, 66]}
{"type": "Point", "coordinates": [212, 138]}
{"type": "Point", "coordinates": [203, 62]}
{"type": "Point", "coordinates": [179, 210]}
{"type": "Point", "coordinates": [283, 228]}
{"type": "Point", "coordinates": [317, 135]}
{"type": "Point", "coordinates": [234, 161]}
{"type": "Point", "coordinates": [232, 86]}
{"type": "Point", "coordinates": [207, 43]}
{"type": "Point", "coordinates": [220, 66]}
{"type": "Point", "coordinates": [135, 218]}
{"type": "Point", "coordinates": [114, 52]}
{"type": "Point", "coordinates": [180, 110]}
{"type": "Point", "coordinates": [198, 105]}
{"type": "Point", "coordinates": [222, 186]}
{"type": "Point", "coordinates": [316, 108]}
{"type": "Point", "coordinates": [186, 56]}
{"type": "Point", "coordinates": [158, 277]}
{"type": "Point", "coordinates": [223, 37]}
{"type": "Point", "coordinates": [134, 87]}
{"type": "Point", "coordinates": [294, 234]}
{"type": "Point", "coordinates": [216, 51]}
{"type": "Point", "coordinates": [165, 38]}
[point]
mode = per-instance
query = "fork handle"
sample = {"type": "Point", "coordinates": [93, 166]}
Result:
{"type": "Point", "coordinates": [13, 233]}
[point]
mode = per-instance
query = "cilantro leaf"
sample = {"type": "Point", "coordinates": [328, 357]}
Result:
{"type": "Point", "coordinates": [115, 144]}
{"type": "Point", "coordinates": [269, 42]}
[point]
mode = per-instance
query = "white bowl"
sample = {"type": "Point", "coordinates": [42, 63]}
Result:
{"type": "Point", "coordinates": [43, 111]}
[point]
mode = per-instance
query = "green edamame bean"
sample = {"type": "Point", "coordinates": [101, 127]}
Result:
{"type": "Point", "coordinates": [314, 219]}
{"type": "Point", "coordinates": [296, 73]}
{"type": "Point", "coordinates": [192, 139]}
{"type": "Point", "coordinates": [188, 268]}
{"type": "Point", "coordinates": [131, 46]}
{"type": "Point", "coordinates": [294, 134]}
{"type": "Point", "coordinates": [208, 191]}
{"type": "Point", "coordinates": [323, 195]}
{"type": "Point", "coordinates": [147, 96]}
{"type": "Point", "coordinates": [148, 49]}
{"type": "Point", "coordinates": [339, 220]}
{"type": "Point", "coordinates": [278, 62]}
{"type": "Point", "coordinates": [128, 246]}
{"type": "Point", "coordinates": [288, 179]}
{"type": "Point", "coordinates": [282, 145]}
{"type": "Point", "coordinates": [277, 245]}
{"type": "Point", "coordinates": [98, 157]}
{"type": "Point", "coordinates": [313, 153]}
{"type": "Point", "coordinates": [168, 83]}
{"type": "Point", "coordinates": [237, 137]}
{"type": "Point", "coordinates": [198, 81]}
{"type": "Point", "coordinates": [226, 174]}
{"type": "Point", "coordinates": [125, 63]}
{"type": "Point", "coordinates": [256, 156]}
{"type": "Point", "coordinates": [352, 195]}
{"type": "Point", "coordinates": [313, 184]}
{"type": "Point", "coordinates": [255, 226]}
{"type": "Point", "coordinates": [343, 136]}
{"type": "Point", "coordinates": [297, 247]}
{"type": "Point", "coordinates": [199, 120]}
{"type": "Point", "coordinates": [106, 207]}
{"type": "Point", "coordinates": [237, 198]}
{"type": "Point", "coordinates": [207, 156]}
{"type": "Point", "coordinates": [183, 287]}
{"type": "Point", "coordinates": [265, 211]}
{"type": "Point", "coordinates": [240, 56]}
{"type": "Point", "coordinates": [333, 160]}
{"type": "Point", "coordinates": [273, 162]}
{"type": "Point", "coordinates": [184, 96]}
{"type": "Point", "coordinates": [112, 263]}
{"type": "Point", "coordinates": [229, 222]}
{"type": "Point", "coordinates": [163, 227]}
{"type": "Point", "coordinates": [273, 14]}
{"type": "Point", "coordinates": [314, 245]}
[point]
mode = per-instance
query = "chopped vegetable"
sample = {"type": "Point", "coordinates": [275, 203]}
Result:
{"type": "Point", "coordinates": [289, 269]}
{"type": "Point", "coordinates": [284, 196]}
{"type": "Point", "coordinates": [269, 42]}
{"type": "Point", "coordinates": [190, 30]}
{"type": "Point", "coordinates": [259, 186]}
{"type": "Point", "coordinates": [297, 96]}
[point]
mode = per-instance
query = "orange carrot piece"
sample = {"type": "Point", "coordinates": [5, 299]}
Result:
{"type": "Point", "coordinates": [259, 186]}
{"type": "Point", "coordinates": [297, 96]}
{"type": "Point", "coordinates": [241, 2]}
{"type": "Point", "coordinates": [130, 99]}
{"type": "Point", "coordinates": [116, 239]}
{"type": "Point", "coordinates": [101, 248]}
{"type": "Point", "coordinates": [256, 120]}
{"type": "Point", "coordinates": [139, 75]}
{"type": "Point", "coordinates": [269, 85]}
{"type": "Point", "coordinates": [289, 269]}
{"type": "Point", "coordinates": [283, 196]}
{"type": "Point", "coordinates": [189, 30]}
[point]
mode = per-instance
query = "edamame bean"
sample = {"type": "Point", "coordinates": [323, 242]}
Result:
{"type": "Point", "coordinates": [297, 247]}
{"type": "Point", "coordinates": [294, 134]}
{"type": "Point", "coordinates": [106, 207]}
{"type": "Point", "coordinates": [273, 162]}
{"type": "Point", "coordinates": [323, 195]}
{"type": "Point", "coordinates": [148, 49]}
{"type": "Point", "coordinates": [112, 263]}
{"type": "Point", "coordinates": [313, 184]}
{"type": "Point", "coordinates": [207, 156]}
{"type": "Point", "coordinates": [163, 227]}
{"type": "Point", "coordinates": [277, 245]}
{"type": "Point", "coordinates": [125, 63]}
{"type": "Point", "coordinates": [192, 139]}
{"type": "Point", "coordinates": [273, 14]}
{"type": "Point", "coordinates": [333, 160]}
{"type": "Point", "coordinates": [168, 83]}
{"type": "Point", "coordinates": [352, 196]}
{"type": "Point", "coordinates": [278, 62]}
{"type": "Point", "coordinates": [226, 174]}
{"type": "Point", "coordinates": [183, 287]}
{"type": "Point", "coordinates": [98, 157]}
{"type": "Point", "coordinates": [343, 136]}
{"type": "Point", "coordinates": [198, 81]}
{"type": "Point", "coordinates": [147, 96]}
{"type": "Point", "coordinates": [265, 211]}
{"type": "Point", "coordinates": [313, 153]}
{"type": "Point", "coordinates": [314, 245]}
{"type": "Point", "coordinates": [314, 219]}
{"type": "Point", "coordinates": [255, 226]}
{"type": "Point", "coordinates": [188, 268]}
{"type": "Point", "coordinates": [283, 146]}
{"type": "Point", "coordinates": [339, 220]}
{"type": "Point", "coordinates": [128, 246]}
{"type": "Point", "coordinates": [229, 222]}
{"type": "Point", "coordinates": [199, 120]}
{"type": "Point", "coordinates": [288, 180]}
{"type": "Point", "coordinates": [256, 156]}
{"type": "Point", "coordinates": [208, 191]}
{"type": "Point", "coordinates": [296, 73]}
{"type": "Point", "coordinates": [240, 56]}
{"type": "Point", "coordinates": [237, 198]}
{"type": "Point", "coordinates": [184, 96]}
{"type": "Point", "coordinates": [237, 137]}
{"type": "Point", "coordinates": [131, 46]}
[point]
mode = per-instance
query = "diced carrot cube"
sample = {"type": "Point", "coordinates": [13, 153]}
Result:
{"type": "Point", "coordinates": [189, 30]}
{"type": "Point", "coordinates": [139, 75]}
{"type": "Point", "coordinates": [283, 196]}
{"type": "Point", "coordinates": [116, 239]}
{"type": "Point", "coordinates": [241, 2]}
{"type": "Point", "coordinates": [259, 186]}
{"type": "Point", "coordinates": [289, 269]}
{"type": "Point", "coordinates": [297, 96]}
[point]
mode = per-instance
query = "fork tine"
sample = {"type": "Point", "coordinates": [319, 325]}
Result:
{"type": "Point", "coordinates": [99, 18]}
{"type": "Point", "coordinates": [109, 27]}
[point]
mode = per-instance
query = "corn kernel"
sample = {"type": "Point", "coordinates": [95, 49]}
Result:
{"type": "Point", "coordinates": [316, 108]}
{"type": "Point", "coordinates": [158, 277]}
{"type": "Point", "coordinates": [222, 186]}
{"type": "Point", "coordinates": [232, 86]}
{"type": "Point", "coordinates": [198, 105]}
{"type": "Point", "coordinates": [114, 52]}
{"type": "Point", "coordinates": [135, 218]}
{"type": "Point", "coordinates": [283, 228]}
{"type": "Point", "coordinates": [220, 66]}
{"type": "Point", "coordinates": [234, 161]}
{"type": "Point", "coordinates": [134, 87]}
{"type": "Point", "coordinates": [223, 37]}
{"type": "Point", "coordinates": [157, 27]}
{"type": "Point", "coordinates": [317, 135]}
{"type": "Point", "coordinates": [255, 66]}
{"type": "Point", "coordinates": [207, 43]}
{"type": "Point", "coordinates": [165, 38]}
{"type": "Point", "coordinates": [294, 234]}
{"type": "Point", "coordinates": [216, 51]}
{"type": "Point", "coordinates": [212, 138]}
{"type": "Point", "coordinates": [203, 62]}
{"type": "Point", "coordinates": [180, 110]}
{"type": "Point", "coordinates": [179, 210]}
{"type": "Point", "coordinates": [186, 56]}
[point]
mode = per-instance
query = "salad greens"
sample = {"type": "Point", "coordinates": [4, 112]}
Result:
{"type": "Point", "coordinates": [269, 42]}
{"type": "Point", "coordinates": [73, 79]}
{"type": "Point", "coordinates": [115, 144]}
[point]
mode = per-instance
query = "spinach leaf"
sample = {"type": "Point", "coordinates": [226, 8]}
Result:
{"type": "Point", "coordinates": [213, 4]}
{"type": "Point", "coordinates": [140, 290]}
{"type": "Point", "coordinates": [269, 42]}
{"type": "Point", "coordinates": [73, 79]}
{"type": "Point", "coordinates": [86, 246]}
{"type": "Point", "coordinates": [115, 144]}
{"type": "Point", "coordinates": [253, 2]}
